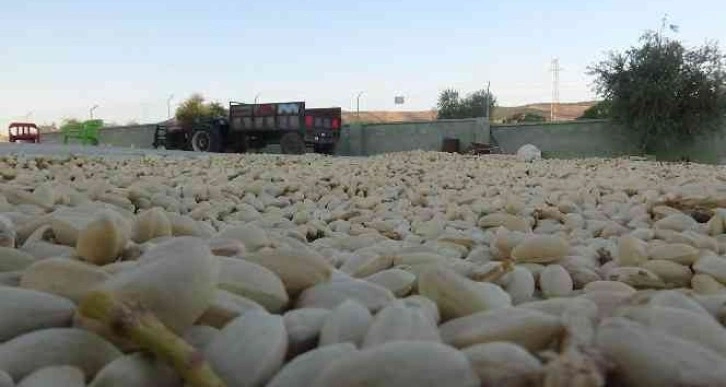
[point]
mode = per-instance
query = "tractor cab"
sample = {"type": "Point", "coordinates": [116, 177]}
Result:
{"type": "Point", "coordinates": [23, 132]}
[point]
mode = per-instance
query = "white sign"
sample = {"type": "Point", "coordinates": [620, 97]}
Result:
{"type": "Point", "coordinates": [399, 100]}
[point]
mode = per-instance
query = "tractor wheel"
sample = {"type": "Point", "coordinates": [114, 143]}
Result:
{"type": "Point", "coordinates": [325, 149]}
{"type": "Point", "coordinates": [206, 140]}
{"type": "Point", "coordinates": [244, 145]}
{"type": "Point", "coordinates": [292, 144]}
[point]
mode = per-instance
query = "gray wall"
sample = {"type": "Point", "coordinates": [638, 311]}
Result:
{"type": "Point", "coordinates": [600, 138]}
{"type": "Point", "coordinates": [569, 139]}
{"type": "Point", "coordinates": [708, 149]}
{"type": "Point", "coordinates": [371, 139]}
{"type": "Point", "coordinates": [138, 136]}
{"type": "Point", "coordinates": [585, 138]}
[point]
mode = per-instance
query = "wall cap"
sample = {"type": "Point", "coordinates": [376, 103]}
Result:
{"type": "Point", "coordinates": [556, 123]}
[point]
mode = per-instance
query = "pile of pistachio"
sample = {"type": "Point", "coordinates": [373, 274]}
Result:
{"type": "Point", "coordinates": [406, 269]}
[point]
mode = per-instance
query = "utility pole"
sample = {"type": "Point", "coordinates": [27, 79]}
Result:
{"type": "Point", "coordinates": [92, 109]}
{"type": "Point", "coordinates": [168, 106]}
{"type": "Point", "coordinates": [489, 96]}
{"type": "Point", "coordinates": [357, 106]}
{"type": "Point", "coordinates": [555, 69]}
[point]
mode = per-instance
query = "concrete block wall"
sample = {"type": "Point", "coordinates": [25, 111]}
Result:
{"type": "Point", "coordinates": [592, 138]}
{"type": "Point", "coordinates": [356, 140]}
{"type": "Point", "coordinates": [586, 138]}
{"type": "Point", "coordinates": [372, 139]}
{"type": "Point", "coordinates": [601, 138]}
{"type": "Point", "coordinates": [707, 149]}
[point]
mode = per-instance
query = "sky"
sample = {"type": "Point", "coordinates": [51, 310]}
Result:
{"type": "Point", "coordinates": [58, 58]}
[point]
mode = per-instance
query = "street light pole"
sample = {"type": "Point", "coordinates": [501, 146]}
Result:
{"type": "Point", "coordinates": [92, 109]}
{"type": "Point", "coordinates": [168, 106]}
{"type": "Point", "coordinates": [357, 106]}
{"type": "Point", "coordinates": [489, 96]}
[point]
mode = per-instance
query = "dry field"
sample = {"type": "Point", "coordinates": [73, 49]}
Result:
{"type": "Point", "coordinates": [565, 112]}
{"type": "Point", "coordinates": [410, 269]}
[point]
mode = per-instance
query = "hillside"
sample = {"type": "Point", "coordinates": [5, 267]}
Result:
{"type": "Point", "coordinates": [378, 116]}
{"type": "Point", "coordinates": [565, 112]}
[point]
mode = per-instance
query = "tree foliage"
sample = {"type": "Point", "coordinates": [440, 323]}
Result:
{"type": "Point", "coordinates": [449, 104]}
{"type": "Point", "coordinates": [597, 111]}
{"type": "Point", "coordinates": [524, 117]}
{"type": "Point", "coordinates": [452, 105]}
{"type": "Point", "coordinates": [195, 109]}
{"type": "Point", "coordinates": [662, 91]}
{"type": "Point", "coordinates": [71, 122]}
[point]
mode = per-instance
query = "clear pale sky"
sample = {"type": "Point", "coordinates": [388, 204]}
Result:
{"type": "Point", "coordinates": [60, 57]}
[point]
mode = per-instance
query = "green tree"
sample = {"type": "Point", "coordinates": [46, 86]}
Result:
{"type": "Point", "coordinates": [476, 103]}
{"type": "Point", "coordinates": [662, 91]}
{"type": "Point", "coordinates": [525, 117]}
{"type": "Point", "coordinates": [533, 117]}
{"type": "Point", "coordinates": [597, 111]}
{"type": "Point", "coordinates": [70, 122]}
{"type": "Point", "coordinates": [195, 109]}
{"type": "Point", "coordinates": [216, 109]}
{"type": "Point", "coordinates": [451, 105]}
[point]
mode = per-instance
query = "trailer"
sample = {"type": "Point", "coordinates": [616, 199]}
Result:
{"type": "Point", "coordinates": [250, 127]}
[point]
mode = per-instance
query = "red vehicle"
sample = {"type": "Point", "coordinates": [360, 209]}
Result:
{"type": "Point", "coordinates": [23, 132]}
